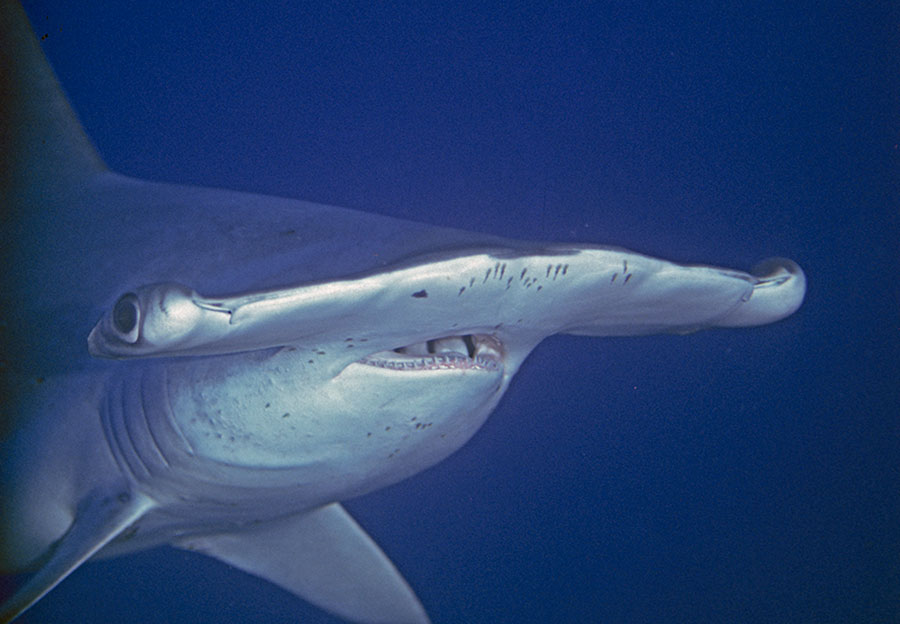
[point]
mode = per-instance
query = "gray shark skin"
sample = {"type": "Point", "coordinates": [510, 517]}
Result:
{"type": "Point", "coordinates": [216, 370]}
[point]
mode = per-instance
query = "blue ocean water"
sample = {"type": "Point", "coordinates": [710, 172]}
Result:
{"type": "Point", "coordinates": [731, 476]}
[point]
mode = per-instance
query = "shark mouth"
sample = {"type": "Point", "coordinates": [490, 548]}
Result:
{"type": "Point", "coordinates": [471, 351]}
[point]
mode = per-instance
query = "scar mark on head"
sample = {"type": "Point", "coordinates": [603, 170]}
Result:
{"type": "Point", "coordinates": [461, 291]}
{"type": "Point", "coordinates": [420, 294]}
{"type": "Point", "coordinates": [486, 276]}
{"type": "Point", "coordinates": [502, 270]}
{"type": "Point", "coordinates": [524, 271]}
{"type": "Point", "coordinates": [627, 277]}
{"type": "Point", "coordinates": [615, 275]}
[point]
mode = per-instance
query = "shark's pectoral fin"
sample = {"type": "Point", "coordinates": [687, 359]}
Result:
{"type": "Point", "coordinates": [324, 557]}
{"type": "Point", "coordinates": [101, 516]}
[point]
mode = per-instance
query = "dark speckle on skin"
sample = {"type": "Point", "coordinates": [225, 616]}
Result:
{"type": "Point", "coordinates": [286, 414]}
{"type": "Point", "coordinates": [420, 294]}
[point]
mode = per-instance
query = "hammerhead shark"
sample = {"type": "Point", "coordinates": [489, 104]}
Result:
{"type": "Point", "coordinates": [217, 370]}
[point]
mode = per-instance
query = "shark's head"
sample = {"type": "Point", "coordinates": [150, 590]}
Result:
{"type": "Point", "coordinates": [365, 380]}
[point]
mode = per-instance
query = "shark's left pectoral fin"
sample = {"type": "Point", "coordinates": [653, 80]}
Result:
{"type": "Point", "coordinates": [100, 518]}
{"type": "Point", "coordinates": [326, 558]}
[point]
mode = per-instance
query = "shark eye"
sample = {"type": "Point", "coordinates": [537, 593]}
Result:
{"type": "Point", "coordinates": [125, 317]}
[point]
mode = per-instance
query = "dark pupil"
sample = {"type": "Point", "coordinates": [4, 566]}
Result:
{"type": "Point", "coordinates": [125, 315]}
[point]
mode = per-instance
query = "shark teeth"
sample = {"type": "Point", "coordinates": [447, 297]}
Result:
{"type": "Point", "coordinates": [450, 352]}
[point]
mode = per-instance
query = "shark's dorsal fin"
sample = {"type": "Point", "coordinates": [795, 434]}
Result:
{"type": "Point", "coordinates": [42, 143]}
{"type": "Point", "coordinates": [325, 557]}
{"type": "Point", "coordinates": [100, 518]}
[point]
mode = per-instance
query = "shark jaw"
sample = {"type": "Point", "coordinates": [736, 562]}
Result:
{"type": "Point", "coordinates": [380, 418]}
{"type": "Point", "coordinates": [468, 352]}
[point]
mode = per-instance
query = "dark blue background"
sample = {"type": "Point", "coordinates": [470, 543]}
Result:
{"type": "Point", "coordinates": [747, 475]}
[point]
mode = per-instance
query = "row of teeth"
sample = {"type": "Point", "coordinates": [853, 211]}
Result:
{"type": "Point", "coordinates": [464, 345]}
{"type": "Point", "coordinates": [435, 362]}
{"type": "Point", "coordinates": [451, 352]}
